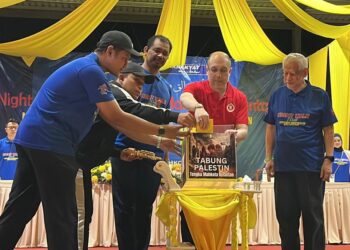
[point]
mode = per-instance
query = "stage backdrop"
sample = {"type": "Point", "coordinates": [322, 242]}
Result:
{"type": "Point", "coordinates": [20, 83]}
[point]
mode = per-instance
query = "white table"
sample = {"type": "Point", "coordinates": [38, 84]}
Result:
{"type": "Point", "coordinates": [102, 230]}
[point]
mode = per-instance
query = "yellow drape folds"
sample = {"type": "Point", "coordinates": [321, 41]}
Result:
{"type": "Point", "coordinates": [174, 24]}
{"type": "Point", "coordinates": [326, 7]}
{"type": "Point", "coordinates": [6, 3]}
{"type": "Point", "coordinates": [318, 68]}
{"type": "Point", "coordinates": [243, 36]}
{"type": "Point", "coordinates": [339, 58]}
{"type": "Point", "coordinates": [208, 212]}
{"type": "Point", "coordinates": [307, 22]}
{"type": "Point", "coordinates": [62, 37]}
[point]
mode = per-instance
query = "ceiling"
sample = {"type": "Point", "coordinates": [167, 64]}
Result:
{"type": "Point", "coordinates": [148, 11]}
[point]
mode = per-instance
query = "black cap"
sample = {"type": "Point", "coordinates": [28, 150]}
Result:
{"type": "Point", "coordinates": [118, 39]}
{"type": "Point", "coordinates": [137, 70]}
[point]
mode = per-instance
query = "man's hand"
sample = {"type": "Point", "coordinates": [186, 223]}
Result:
{"type": "Point", "coordinates": [186, 119]}
{"type": "Point", "coordinates": [240, 132]}
{"type": "Point", "coordinates": [231, 131]}
{"type": "Point", "coordinates": [270, 169]}
{"type": "Point", "coordinates": [202, 118]}
{"type": "Point", "coordinates": [168, 145]}
{"type": "Point", "coordinates": [326, 170]}
{"type": "Point", "coordinates": [173, 131]}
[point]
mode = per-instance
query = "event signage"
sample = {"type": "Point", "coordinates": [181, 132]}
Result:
{"type": "Point", "coordinates": [211, 156]}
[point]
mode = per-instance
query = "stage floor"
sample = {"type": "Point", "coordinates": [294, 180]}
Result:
{"type": "Point", "coordinates": [260, 247]}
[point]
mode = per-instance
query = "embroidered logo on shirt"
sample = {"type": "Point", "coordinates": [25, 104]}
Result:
{"type": "Point", "coordinates": [230, 107]}
{"type": "Point", "coordinates": [103, 89]}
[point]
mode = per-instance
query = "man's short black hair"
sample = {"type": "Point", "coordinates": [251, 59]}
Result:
{"type": "Point", "coordinates": [13, 120]}
{"type": "Point", "coordinates": [163, 39]}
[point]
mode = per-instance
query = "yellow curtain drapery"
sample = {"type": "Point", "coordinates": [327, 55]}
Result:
{"type": "Point", "coordinates": [307, 22]}
{"type": "Point", "coordinates": [62, 37]}
{"type": "Point", "coordinates": [6, 3]}
{"type": "Point", "coordinates": [243, 36]}
{"type": "Point", "coordinates": [318, 68]}
{"type": "Point", "coordinates": [208, 212]}
{"type": "Point", "coordinates": [174, 23]}
{"type": "Point", "coordinates": [326, 7]}
{"type": "Point", "coordinates": [339, 62]}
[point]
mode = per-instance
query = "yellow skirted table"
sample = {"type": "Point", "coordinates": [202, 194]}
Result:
{"type": "Point", "coordinates": [209, 214]}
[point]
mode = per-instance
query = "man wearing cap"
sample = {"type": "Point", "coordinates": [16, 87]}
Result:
{"type": "Point", "coordinates": [61, 114]}
{"type": "Point", "coordinates": [98, 144]}
{"type": "Point", "coordinates": [136, 184]}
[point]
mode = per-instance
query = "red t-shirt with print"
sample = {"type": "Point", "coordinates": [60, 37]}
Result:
{"type": "Point", "coordinates": [232, 108]}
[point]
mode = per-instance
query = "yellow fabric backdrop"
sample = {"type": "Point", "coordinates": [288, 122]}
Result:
{"type": "Point", "coordinates": [174, 23]}
{"type": "Point", "coordinates": [339, 58]}
{"type": "Point", "coordinates": [243, 36]}
{"type": "Point", "coordinates": [307, 22]}
{"type": "Point", "coordinates": [318, 68]}
{"type": "Point", "coordinates": [62, 37]}
{"type": "Point", "coordinates": [6, 3]}
{"type": "Point", "coordinates": [326, 7]}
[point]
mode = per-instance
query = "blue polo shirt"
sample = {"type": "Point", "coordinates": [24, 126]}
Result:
{"type": "Point", "coordinates": [158, 95]}
{"type": "Point", "coordinates": [299, 119]}
{"type": "Point", "coordinates": [64, 109]}
{"type": "Point", "coordinates": [8, 159]}
{"type": "Point", "coordinates": [341, 167]}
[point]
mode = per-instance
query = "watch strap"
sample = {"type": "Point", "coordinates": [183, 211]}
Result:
{"type": "Point", "coordinates": [330, 158]}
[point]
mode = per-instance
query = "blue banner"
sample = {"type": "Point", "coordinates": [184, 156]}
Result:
{"type": "Point", "coordinates": [19, 84]}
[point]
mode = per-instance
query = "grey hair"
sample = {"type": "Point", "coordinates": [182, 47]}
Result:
{"type": "Point", "coordinates": [300, 59]}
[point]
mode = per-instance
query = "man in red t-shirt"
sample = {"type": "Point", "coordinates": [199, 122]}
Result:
{"type": "Point", "coordinates": [217, 99]}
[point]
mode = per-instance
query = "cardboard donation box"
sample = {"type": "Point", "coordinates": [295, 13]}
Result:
{"type": "Point", "coordinates": [210, 158]}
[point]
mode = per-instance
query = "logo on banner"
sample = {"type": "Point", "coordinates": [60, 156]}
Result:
{"type": "Point", "coordinates": [230, 107]}
{"type": "Point", "coordinates": [190, 68]}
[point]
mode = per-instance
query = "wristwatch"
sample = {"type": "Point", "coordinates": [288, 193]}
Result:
{"type": "Point", "coordinates": [330, 158]}
{"type": "Point", "coordinates": [198, 106]}
{"type": "Point", "coordinates": [161, 130]}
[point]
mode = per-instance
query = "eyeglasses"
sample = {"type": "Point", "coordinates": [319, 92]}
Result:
{"type": "Point", "coordinates": [12, 127]}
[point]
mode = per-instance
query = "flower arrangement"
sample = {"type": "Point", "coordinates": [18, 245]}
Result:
{"type": "Point", "coordinates": [102, 173]}
{"type": "Point", "coordinates": [175, 168]}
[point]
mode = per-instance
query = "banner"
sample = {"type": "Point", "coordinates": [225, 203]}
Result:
{"type": "Point", "coordinates": [15, 90]}
{"type": "Point", "coordinates": [20, 83]}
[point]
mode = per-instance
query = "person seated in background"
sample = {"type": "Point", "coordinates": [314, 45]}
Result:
{"type": "Point", "coordinates": [341, 164]}
{"type": "Point", "coordinates": [8, 153]}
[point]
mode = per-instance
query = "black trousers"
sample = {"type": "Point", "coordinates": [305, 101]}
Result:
{"type": "Point", "coordinates": [300, 193]}
{"type": "Point", "coordinates": [135, 186]}
{"type": "Point", "coordinates": [46, 177]}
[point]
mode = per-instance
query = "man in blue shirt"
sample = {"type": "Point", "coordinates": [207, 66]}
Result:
{"type": "Point", "coordinates": [8, 153]}
{"type": "Point", "coordinates": [299, 153]}
{"type": "Point", "coordinates": [60, 116]}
